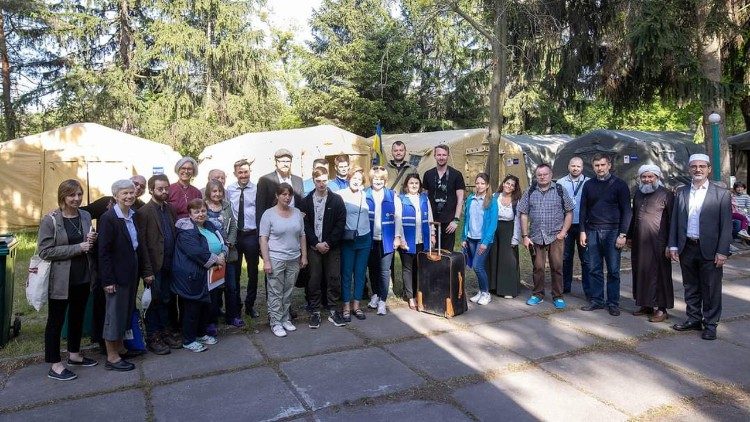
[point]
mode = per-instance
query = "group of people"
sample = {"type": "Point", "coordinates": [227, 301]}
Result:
{"type": "Point", "coordinates": [332, 233]}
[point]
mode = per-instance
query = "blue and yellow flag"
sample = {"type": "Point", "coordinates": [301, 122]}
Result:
{"type": "Point", "coordinates": [378, 157]}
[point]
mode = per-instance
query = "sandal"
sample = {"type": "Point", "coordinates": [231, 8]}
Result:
{"type": "Point", "coordinates": [347, 316]}
{"type": "Point", "coordinates": [359, 314]}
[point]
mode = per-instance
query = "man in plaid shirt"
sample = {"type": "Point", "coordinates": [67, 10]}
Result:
{"type": "Point", "coordinates": [549, 209]}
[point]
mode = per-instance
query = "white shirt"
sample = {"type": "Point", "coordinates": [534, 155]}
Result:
{"type": "Point", "coordinates": [506, 214]}
{"type": "Point", "coordinates": [250, 192]}
{"type": "Point", "coordinates": [377, 229]}
{"type": "Point", "coordinates": [414, 199]}
{"type": "Point", "coordinates": [695, 204]}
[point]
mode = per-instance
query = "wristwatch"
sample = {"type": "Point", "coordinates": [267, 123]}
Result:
{"type": "Point", "coordinates": [456, 219]}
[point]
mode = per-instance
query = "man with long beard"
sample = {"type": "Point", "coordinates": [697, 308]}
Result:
{"type": "Point", "coordinates": [699, 238]}
{"type": "Point", "coordinates": [648, 236]}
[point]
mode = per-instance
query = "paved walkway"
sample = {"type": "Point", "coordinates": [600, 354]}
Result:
{"type": "Point", "coordinates": [503, 361]}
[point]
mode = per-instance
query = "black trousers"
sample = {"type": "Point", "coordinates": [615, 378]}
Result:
{"type": "Point", "coordinates": [97, 314]}
{"type": "Point", "coordinates": [409, 270]}
{"type": "Point", "coordinates": [75, 305]}
{"type": "Point", "coordinates": [702, 281]}
{"type": "Point", "coordinates": [195, 316]}
{"type": "Point", "coordinates": [248, 246]}
{"type": "Point", "coordinates": [324, 286]}
{"type": "Point", "coordinates": [447, 240]}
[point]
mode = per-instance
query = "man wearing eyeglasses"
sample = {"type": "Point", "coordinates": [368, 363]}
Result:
{"type": "Point", "coordinates": [445, 189]}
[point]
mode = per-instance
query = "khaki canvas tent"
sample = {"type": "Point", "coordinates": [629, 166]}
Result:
{"type": "Point", "coordinates": [306, 144]}
{"type": "Point", "coordinates": [33, 167]}
{"type": "Point", "coordinates": [469, 148]}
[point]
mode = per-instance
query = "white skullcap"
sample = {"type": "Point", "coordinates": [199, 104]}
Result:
{"type": "Point", "coordinates": [649, 168]}
{"type": "Point", "coordinates": [699, 157]}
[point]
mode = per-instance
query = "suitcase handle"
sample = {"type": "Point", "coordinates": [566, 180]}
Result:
{"type": "Point", "coordinates": [438, 230]}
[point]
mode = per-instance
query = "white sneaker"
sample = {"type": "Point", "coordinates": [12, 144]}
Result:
{"type": "Point", "coordinates": [485, 299]}
{"type": "Point", "coordinates": [207, 340]}
{"type": "Point", "coordinates": [743, 234]}
{"type": "Point", "coordinates": [381, 308]}
{"type": "Point", "coordinates": [476, 297]}
{"type": "Point", "coordinates": [195, 347]}
{"type": "Point", "coordinates": [278, 330]}
{"type": "Point", "coordinates": [287, 325]}
{"type": "Point", "coordinates": [373, 302]}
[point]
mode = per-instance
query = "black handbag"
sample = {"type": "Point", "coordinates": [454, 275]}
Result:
{"type": "Point", "coordinates": [351, 234]}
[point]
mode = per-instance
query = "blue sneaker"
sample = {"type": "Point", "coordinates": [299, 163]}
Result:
{"type": "Point", "coordinates": [559, 303]}
{"type": "Point", "coordinates": [534, 300]}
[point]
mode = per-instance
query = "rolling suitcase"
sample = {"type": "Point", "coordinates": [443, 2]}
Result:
{"type": "Point", "coordinates": [440, 281]}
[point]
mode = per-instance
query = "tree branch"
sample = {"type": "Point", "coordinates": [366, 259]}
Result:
{"type": "Point", "coordinates": [473, 22]}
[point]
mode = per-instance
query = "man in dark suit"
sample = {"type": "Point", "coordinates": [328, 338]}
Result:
{"type": "Point", "coordinates": [156, 232]}
{"type": "Point", "coordinates": [699, 238]}
{"type": "Point", "coordinates": [325, 219]}
{"type": "Point", "coordinates": [266, 196]}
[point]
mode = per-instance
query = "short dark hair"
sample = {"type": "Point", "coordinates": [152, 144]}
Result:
{"type": "Point", "coordinates": [341, 158]}
{"type": "Point", "coordinates": [409, 177]}
{"type": "Point", "coordinates": [196, 204]}
{"type": "Point", "coordinates": [541, 166]}
{"type": "Point", "coordinates": [319, 171]}
{"type": "Point", "coordinates": [739, 185]}
{"type": "Point", "coordinates": [320, 162]}
{"type": "Point", "coordinates": [152, 180]}
{"type": "Point", "coordinates": [240, 163]}
{"type": "Point", "coordinates": [601, 156]}
{"type": "Point", "coordinates": [443, 147]}
{"type": "Point", "coordinates": [67, 188]}
{"type": "Point", "coordinates": [284, 187]}
{"type": "Point", "coordinates": [398, 144]}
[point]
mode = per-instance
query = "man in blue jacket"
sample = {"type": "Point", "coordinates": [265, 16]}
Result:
{"type": "Point", "coordinates": [604, 219]}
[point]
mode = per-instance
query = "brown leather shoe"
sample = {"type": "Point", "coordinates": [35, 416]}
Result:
{"type": "Point", "coordinates": [658, 316]}
{"type": "Point", "coordinates": [645, 310]}
{"type": "Point", "coordinates": [173, 341]}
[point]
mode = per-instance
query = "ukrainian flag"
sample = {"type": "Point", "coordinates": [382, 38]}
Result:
{"type": "Point", "coordinates": [378, 158]}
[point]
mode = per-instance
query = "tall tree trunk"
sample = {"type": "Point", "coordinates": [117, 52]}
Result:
{"type": "Point", "coordinates": [8, 113]}
{"type": "Point", "coordinates": [497, 94]}
{"type": "Point", "coordinates": [126, 55]}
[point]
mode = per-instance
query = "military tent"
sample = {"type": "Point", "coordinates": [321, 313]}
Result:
{"type": "Point", "coordinates": [33, 167]}
{"type": "Point", "coordinates": [305, 144]}
{"type": "Point", "coordinates": [740, 147]}
{"type": "Point", "coordinates": [631, 149]}
{"type": "Point", "coordinates": [538, 149]}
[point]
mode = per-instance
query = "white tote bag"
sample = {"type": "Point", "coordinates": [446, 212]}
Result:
{"type": "Point", "coordinates": [37, 285]}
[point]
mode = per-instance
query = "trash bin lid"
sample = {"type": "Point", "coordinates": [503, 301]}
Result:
{"type": "Point", "coordinates": [7, 242]}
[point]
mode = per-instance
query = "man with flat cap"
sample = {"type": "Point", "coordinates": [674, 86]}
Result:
{"type": "Point", "coordinates": [699, 238]}
{"type": "Point", "coordinates": [648, 237]}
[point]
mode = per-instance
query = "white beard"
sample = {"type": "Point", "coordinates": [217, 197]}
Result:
{"type": "Point", "coordinates": [647, 188]}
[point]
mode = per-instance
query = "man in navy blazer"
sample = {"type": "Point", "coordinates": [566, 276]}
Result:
{"type": "Point", "coordinates": [699, 238]}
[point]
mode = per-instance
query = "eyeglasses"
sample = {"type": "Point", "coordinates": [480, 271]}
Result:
{"type": "Point", "coordinates": [378, 168]}
{"type": "Point", "coordinates": [186, 169]}
{"type": "Point", "coordinates": [284, 161]}
{"type": "Point", "coordinates": [138, 184]}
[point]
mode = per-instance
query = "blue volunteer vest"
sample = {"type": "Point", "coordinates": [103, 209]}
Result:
{"type": "Point", "coordinates": [409, 221]}
{"type": "Point", "coordinates": [387, 218]}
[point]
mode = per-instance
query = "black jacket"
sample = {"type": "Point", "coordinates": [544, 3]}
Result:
{"type": "Point", "coordinates": [334, 219]}
{"type": "Point", "coordinates": [266, 195]}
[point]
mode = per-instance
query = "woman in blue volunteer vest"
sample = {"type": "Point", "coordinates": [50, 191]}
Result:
{"type": "Point", "coordinates": [417, 233]}
{"type": "Point", "coordinates": [385, 222]}
{"type": "Point", "coordinates": [480, 222]}
{"type": "Point", "coordinates": [502, 264]}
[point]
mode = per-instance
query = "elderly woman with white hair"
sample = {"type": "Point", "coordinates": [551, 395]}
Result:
{"type": "Point", "coordinates": [182, 192]}
{"type": "Point", "coordinates": [649, 237]}
{"type": "Point", "coordinates": [118, 270]}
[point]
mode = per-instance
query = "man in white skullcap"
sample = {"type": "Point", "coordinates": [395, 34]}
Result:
{"type": "Point", "coordinates": [699, 238]}
{"type": "Point", "coordinates": [648, 236]}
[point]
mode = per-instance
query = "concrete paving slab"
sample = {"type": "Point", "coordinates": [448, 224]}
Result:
{"type": "Point", "coordinates": [250, 395]}
{"type": "Point", "coordinates": [703, 411]}
{"type": "Point", "coordinates": [500, 309]}
{"type": "Point", "coordinates": [124, 406]}
{"type": "Point", "coordinates": [737, 332]}
{"type": "Point", "coordinates": [735, 301]}
{"type": "Point", "coordinates": [454, 354]}
{"type": "Point", "coordinates": [306, 341]}
{"type": "Point", "coordinates": [601, 323]}
{"type": "Point", "coordinates": [413, 411]}
{"type": "Point", "coordinates": [400, 323]}
{"type": "Point", "coordinates": [325, 380]}
{"type": "Point", "coordinates": [628, 381]}
{"type": "Point", "coordinates": [30, 384]}
{"type": "Point", "coordinates": [717, 360]}
{"type": "Point", "coordinates": [230, 352]}
{"type": "Point", "coordinates": [534, 337]}
{"type": "Point", "coordinates": [531, 396]}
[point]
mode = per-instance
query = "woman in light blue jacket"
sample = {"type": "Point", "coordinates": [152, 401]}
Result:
{"type": "Point", "coordinates": [480, 222]}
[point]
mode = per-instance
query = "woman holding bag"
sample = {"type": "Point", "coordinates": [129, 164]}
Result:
{"type": "Point", "coordinates": [65, 238]}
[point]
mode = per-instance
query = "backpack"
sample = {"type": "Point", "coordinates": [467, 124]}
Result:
{"type": "Point", "coordinates": [558, 188]}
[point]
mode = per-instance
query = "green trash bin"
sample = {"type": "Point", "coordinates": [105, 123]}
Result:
{"type": "Point", "coordinates": [8, 245]}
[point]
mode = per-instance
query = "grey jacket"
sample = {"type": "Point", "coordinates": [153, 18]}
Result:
{"type": "Point", "coordinates": [229, 230]}
{"type": "Point", "coordinates": [52, 245]}
{"type": "Point", "coordinates": [715, 221]}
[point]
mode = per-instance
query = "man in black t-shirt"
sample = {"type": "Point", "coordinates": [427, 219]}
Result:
{"type": "Point", "coordinates": [445, 187]}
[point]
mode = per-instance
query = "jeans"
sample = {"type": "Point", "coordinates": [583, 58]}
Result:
{"type": "Point", "coordinates": [157, 314]}
{"type": "Point", "coordinates": [571, 244]}
{"type": "Point", "coordinates": [379, 265]}
{"type": "Point", "coordinates": [75, 305]}
{"type": "Point", "coordinates": [279, 285]}
{"type": "Point", "coordinates": [194, 319]}
{"type": "Point", "coordinates": [325, 278]}
{"type": "Point", "coordinates": [248, 246]}
{"type": "Point", "coordinates": [477, 263]}
{"type": "Point", "coordinates": [601, 246]}
{"type": "Point", "coordinates": [354, 254]}
{"type": "Point", "coordinates": [409, 269]}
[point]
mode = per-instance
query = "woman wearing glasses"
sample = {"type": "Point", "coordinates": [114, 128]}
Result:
{"type": "Point", "coordinates": [502, 263]}
{"type": "Point", "coordinates": [182, 192]}
{"type": "Point", "coordinates": [480, 221]}
{"type": "Point", "coordinates": [356, 244]}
